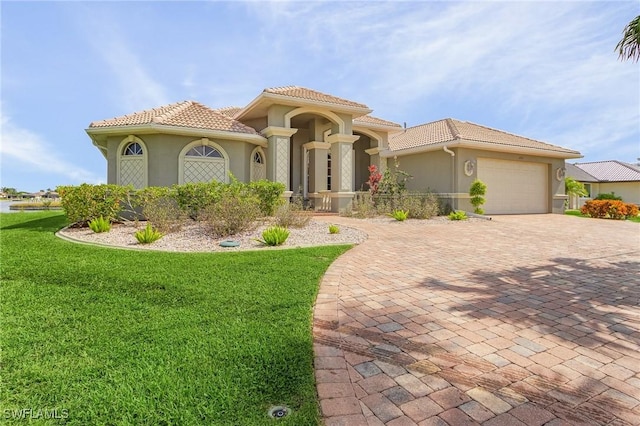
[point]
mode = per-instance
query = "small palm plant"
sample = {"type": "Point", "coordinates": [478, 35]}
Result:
{"type": "Point", "coordinates": [148, 235]}
{"type": "Point", "coordinates": [400, 215]}
{"type": "Point", "coordinates": [458, 215]}
{"type": "Point", "coordinates": [274, 236]}
{"type": "Point", "coordinates": [333, 229]}
{"type": "Point", "coordinates": [100, 224]}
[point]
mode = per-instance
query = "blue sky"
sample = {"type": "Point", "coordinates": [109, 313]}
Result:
{"type": "Point", "coordinates": [545, 70]}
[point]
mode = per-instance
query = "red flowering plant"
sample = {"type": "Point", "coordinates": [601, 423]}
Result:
{"type": "Point", "coordinates": [374, 179]}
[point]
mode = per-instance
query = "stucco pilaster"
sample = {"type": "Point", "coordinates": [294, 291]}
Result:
{"type": "Point", "coordinates": [317, 165]}
{"type": "Point", "coordinates": [278, 153]}
{"type": "Point", "coordinates": [342, 162]}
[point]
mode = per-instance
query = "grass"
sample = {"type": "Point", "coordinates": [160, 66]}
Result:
{"type": "Point", "coordinates": [579, 214]}
{"type": "Point", "coordinates": [109, 336]}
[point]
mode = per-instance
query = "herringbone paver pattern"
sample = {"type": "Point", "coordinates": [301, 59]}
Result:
{"type": "Point", "coordinates": [521, 320]}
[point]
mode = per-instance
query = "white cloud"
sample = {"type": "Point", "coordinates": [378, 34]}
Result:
{"type": "Point", "coordinates": [26, 148]}
{"type": "Point", "coordinates": [136, 87]}
{"type": "Point", "coordinates": [543, 69]}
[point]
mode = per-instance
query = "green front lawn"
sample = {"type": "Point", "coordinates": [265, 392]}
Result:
{"type": "Point", "coordinates": [108, 336]}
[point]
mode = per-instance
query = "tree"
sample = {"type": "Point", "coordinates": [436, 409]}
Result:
{"type": "Point", "coordinates": [477, 192]}
{"type": "Point", "coordinates": [629, 46]}
{"type": "Point", "coordinates": [573, 187]}
{"type": "Point", "coordinates": [11, 192]}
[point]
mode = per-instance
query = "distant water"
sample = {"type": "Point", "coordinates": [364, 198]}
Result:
{"type": "Point", "coordinates": [4, 207]}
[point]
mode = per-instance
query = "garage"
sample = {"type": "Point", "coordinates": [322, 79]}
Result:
{"type": "Point", "coordinates": [514, 187]}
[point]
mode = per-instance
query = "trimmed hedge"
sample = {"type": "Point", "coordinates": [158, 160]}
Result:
{"type": "Point", "coordinates": [86, 202]}
{"type": "Point", "coordinates": [609, 209]}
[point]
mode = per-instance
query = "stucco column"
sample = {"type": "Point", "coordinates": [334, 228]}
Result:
{"type": "Point", "coordinates": [318, 152]}
{"type": "Point", "coordinates": [278, 155]}
{"type": "Point", "coordinates": [317, 165]}
{"type": "Point", "coordinates": [341, 170]}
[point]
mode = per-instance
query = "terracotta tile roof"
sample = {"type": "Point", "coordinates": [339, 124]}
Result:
{"type": "Point", "coordinates": [368, 119]}
{"type": "Point", "coordinates": [451, 130]}
{"type": "Point", "coordinates": [611, 171]}
{"type": "Point", "coordinates": [229, 111]}
{"type": "Point", "coordinates": [188, 114]}
{"type": "Point", "coordinates": [312, 95]}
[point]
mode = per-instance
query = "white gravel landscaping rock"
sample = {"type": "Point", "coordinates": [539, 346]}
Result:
{"type": "Point", "coordinates": [194, 237]}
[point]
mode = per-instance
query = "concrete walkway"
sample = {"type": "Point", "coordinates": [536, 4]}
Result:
{"type": "Point", "coordinates": [521, 320]}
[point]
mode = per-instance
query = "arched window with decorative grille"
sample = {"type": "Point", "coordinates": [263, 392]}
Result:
{"type": "Point", "coordinates": [258, 165]}
{"type": "Point", "coordinates": [132, 162]}
{"type": "Point", "coordinates": [203, 161]}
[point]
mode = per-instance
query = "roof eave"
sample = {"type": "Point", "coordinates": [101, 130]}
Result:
{"type": "Point", "coordinates": [484, 146]}
{"type": "Point", "coordinates": [274, 98]}
{"type": "Point", "coordinates": [176, 130]}
{"type": "Point", "coordinates": [364, 125]}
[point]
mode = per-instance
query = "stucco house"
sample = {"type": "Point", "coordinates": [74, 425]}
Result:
{"type": "Point", "coordinates": [321, 145]}
{"type": "Point", "coordinates": [611, 176]}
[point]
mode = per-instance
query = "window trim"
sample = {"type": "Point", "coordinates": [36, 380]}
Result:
{"type": "Point", "coordinates": [202, 142]}
{"type": "Point", "coordinates": [120, 155]}
{"type": "Point", "coordinates": [260, 151]}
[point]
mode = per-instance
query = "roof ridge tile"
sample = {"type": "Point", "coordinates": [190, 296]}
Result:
{"type": "Point", "coordinates": [452, 128]}
{"type": "Point", "coordinates": [175, 110]}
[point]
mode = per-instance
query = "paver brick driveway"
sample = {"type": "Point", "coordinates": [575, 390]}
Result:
{"type": "Point", "coordinates": [522, 320]}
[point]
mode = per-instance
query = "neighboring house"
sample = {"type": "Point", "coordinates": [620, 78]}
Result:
{"type": "Point", "coordinates": [321, 145]}
{"type": "Point", "coordinates": [600, 177]}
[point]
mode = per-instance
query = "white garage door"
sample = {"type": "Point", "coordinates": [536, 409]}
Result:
{"type": "Point", "coordinates": [514, 187]}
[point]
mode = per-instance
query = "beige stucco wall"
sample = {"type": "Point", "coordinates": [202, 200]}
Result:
{"type": "Point", "coordinates": [276, 113]}
{"type": "Point", "coordinates": [163, 152]}
{"type": "Point", "coordinates": [629, 191]}
{"type": "Point", "coordinates": [432, 170]}
{"type": "Point", "coordinates": [256, 123]}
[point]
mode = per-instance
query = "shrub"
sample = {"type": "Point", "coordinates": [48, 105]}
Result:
{"type": "Point", "coordinates": [274, 236]}
{"type": "Point", "coordinates": [333, 229]}
{"type": "Point", "coordinates": [86, 202]}
{"type": "Point", "coordinates": [232, 214]}
{"type": "Point", "coordinates": [374, 179]}
{"type": "Point", "coordinates": [165, 214]}
{"type": "Point", "coordinates": [420, 206]}
{"type": "Point", "coordinates": [458, 215]}
{"type": "Point", "coordinates": [608, 196]}
{"type": "Point", "coordinates": [609, 209]}
{"type": "Point", "coordinates": [100, 224]}
{"type": "Point", "coordinates": [269, 195]}
{"type": "Point", "coordinates": [194, 198]}
{"type": "Point", "coordinates": [362, 206]}
{"type": "Point", "coordinates": [477, 191]}
{"type": "Point", "coordinates": [291, 215]}
{"type": "Point", "coordinates": [394, 180]}
{"type": "Point", "coordinates": [399, 215]}
{"type": "Point", "coordinates": [148, 235]}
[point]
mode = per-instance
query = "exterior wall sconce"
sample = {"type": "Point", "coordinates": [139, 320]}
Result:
{"type": "Point", "coordinates": [560, 173]}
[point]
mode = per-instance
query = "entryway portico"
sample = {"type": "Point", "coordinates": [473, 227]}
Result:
{"type": "Point", "coordinates": [312, 147]}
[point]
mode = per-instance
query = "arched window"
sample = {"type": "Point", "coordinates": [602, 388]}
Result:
{"type": "Point", "coordinates": [204, 151]}
{"type": "Point", "coordinates": [203, 161]}
{"type": "Point", "coordinates": [133, 148]}
{"type": "Point", "coordinates": [132, 162]}
{"type": "Point", "coordinates": [258, 165]}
